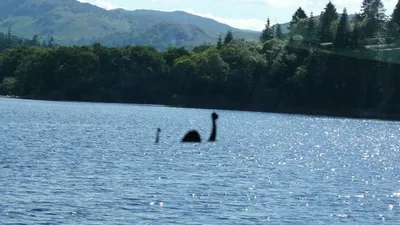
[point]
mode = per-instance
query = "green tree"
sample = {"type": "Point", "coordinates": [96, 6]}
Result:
{"type": "Point", "coordinates": [271, 49]}
{"type": "Point", "coordinates": [173, 53]}
{"type": "Point", "coordinates": [310, 36]}
{"type": "Point", "coordinates": [342, 33]}
{"type": "Point", "coordinates": [297, 16]}
{"type": "Point", "coordinates": [300, 30]}
{"type": "Point", "coordinates": [219, 42]}
{"type": "Point", "coordinates": [183, 74]}
{"type": "Point", "coordinates": [228, 37]}
{"type": "Point", "coordinates": [275, 75]}
{"type": "Point", "coordinates": [10, 39]}
{"type": "Point", "coordinates": [396, 14]}
{"type": "Point", "coordinates": [373, 15]}
{"type": "Point", "coordinates": [50, 43]}
{"type": "Point", "coordinates": [327, 17]}
{"type": "Point", "coordinates": [201, 48]}
{"type": "Point", "coordinates": [267, 33]}
{"type": "Point", "coordinates": [245, 66]}
{"type": "Point", "coordinates": [356, 35]}
{"type": "Point", "coordinates": [8, 86]}
{"type": "Point", "coordinates": [394, 23]}
{"type": "Point", "coordinates": [278, 31]}
{"type": "Point", "coordinates": [35, 41]}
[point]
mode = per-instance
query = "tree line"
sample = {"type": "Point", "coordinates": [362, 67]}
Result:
{"type": "Point", "coordinates": [334, 31]}
{"type": "Point", "coordinates": [9, 40]}
{"type": "Point", "coordinates": [326, 66]}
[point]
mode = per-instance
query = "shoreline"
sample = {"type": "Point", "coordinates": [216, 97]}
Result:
{"type": "Point", "coordinates": [10, 96]}
{"type": "Point", "coordinates": [349, 114]}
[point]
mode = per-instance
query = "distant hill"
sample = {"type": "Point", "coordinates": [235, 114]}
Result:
{"type": "Point", "coordinates": [72, 22]}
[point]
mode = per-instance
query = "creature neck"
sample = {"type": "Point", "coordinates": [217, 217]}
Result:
{"type": "Point", "coordinates": [213, 132]}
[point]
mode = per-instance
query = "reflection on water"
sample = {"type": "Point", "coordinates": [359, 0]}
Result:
{"type": "Point", "coordinates": [91, 163]}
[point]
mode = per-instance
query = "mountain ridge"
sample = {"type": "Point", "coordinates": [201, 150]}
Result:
{"type": "Point", "coordinates": [71, 22]}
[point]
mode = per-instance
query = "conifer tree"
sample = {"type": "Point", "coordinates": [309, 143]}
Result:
{"type": "Point", "coordinates": [219, 43]}
{"type": "Point", "coordinates": [373, 14]}
{"type": "Point", "coordinates": [278, 31]}
{"type": "Point", "coordinates": [342, 33]}
{"type": "Point", "coordinates": [9, 38]}
{"type": "Point", "coordinates": [298, 15]}
{"type": "Point", "coordinates": [394, 24]}
{"type": "Point", "coordinates": [311, 33]}
{"type": "Point", "coordinates": [35, 40]}
{"type": "Point", "coordinates": [326, 19]}
{"type": "Point", "coordinates": [51, 42]}
{"type": "Point", "coordinates": [267, 33]}
{"type": "Point", "coordinates": [228, 37]}
{"type": "Point", "coordinates": [396, 14]}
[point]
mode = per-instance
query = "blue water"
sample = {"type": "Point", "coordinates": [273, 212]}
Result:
{"type": "Point", "coordinates": [94, 163]}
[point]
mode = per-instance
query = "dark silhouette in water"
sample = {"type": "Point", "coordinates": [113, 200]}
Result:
{"type": "Point", "coordinates": [194, 136]}
{"type": "Point", "coordinates": [158, 135]}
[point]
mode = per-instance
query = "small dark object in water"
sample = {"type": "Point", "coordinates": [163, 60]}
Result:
{"type": "Point", "coordinates": [158, 135]}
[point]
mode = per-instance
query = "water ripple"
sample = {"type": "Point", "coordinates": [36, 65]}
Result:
{"type": "Point", "coordinates": [91, 163]}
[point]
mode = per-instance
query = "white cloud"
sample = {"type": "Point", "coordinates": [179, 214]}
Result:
{"type": "Point", "coordinates": [101, 3]}
{"type": "Point", "coordinates": [317, 6]}
{"type": "Point", "coordinates": [241, 23]}
{"type": "Point", "coordinates": [353, 6]}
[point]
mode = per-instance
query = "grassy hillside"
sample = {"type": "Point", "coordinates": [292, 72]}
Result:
{"type": "Point", "coordinates": [72, 22]}
{"type": "Point", "coordinates": [209, 26]}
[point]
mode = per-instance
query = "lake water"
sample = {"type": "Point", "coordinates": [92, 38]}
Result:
{"type": "Point", "coordinates": [95, 163]}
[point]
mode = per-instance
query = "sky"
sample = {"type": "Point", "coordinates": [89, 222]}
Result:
{"type": "Point", "coordinates": [243, 14]}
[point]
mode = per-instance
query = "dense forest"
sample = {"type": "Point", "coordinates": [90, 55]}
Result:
{"type": "Point", "coordinates": [332, 66]}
